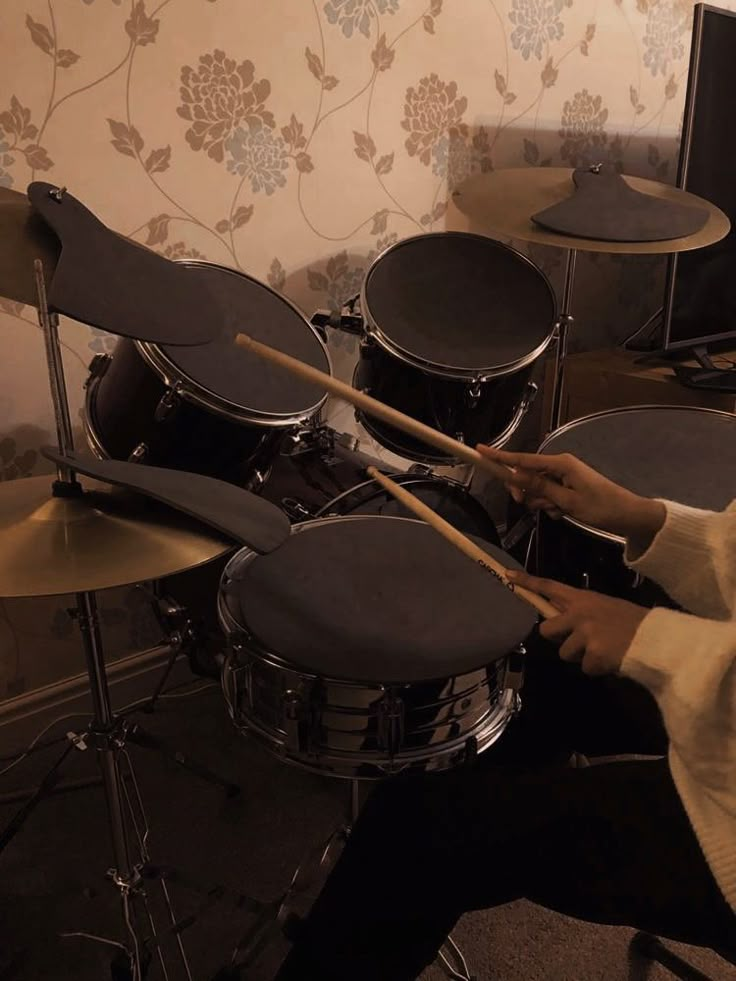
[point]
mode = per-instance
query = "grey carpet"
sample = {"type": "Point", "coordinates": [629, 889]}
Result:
{"type": "Point", "coordinates": [52, 874]}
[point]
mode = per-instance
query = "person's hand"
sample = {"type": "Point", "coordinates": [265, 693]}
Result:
{"type": "Point", "coordinates": [561, 484]}
{"type": "Point", "coordinates": [592, 629]}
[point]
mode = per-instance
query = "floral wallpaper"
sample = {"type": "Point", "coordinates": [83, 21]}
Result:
{"type": "Point", "coordinates": [296, 139]}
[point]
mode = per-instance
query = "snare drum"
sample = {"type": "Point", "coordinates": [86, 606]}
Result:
{"type": "Point", "coordinates": [214, 408]}
{"type": "Point", "coordinates": [453, 324]}
{"type": "Point", "coordinates": [367, 645]}
{"type": "Point", "coordinates": [674, 452]}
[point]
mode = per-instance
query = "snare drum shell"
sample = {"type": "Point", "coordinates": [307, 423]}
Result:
{"type": "Point", "coordinates": [121, 414]}
{"type": "Point", "coordinates": [345, 729]}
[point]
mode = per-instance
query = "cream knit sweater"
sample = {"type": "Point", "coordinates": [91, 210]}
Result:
{"type": "Point", "coordinates": [688, 662]}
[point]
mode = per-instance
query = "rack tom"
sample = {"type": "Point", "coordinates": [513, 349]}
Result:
{"type": "Point", "coordinates": [214, 408]}
{"type": "Point", "coordinates": [453, 325]}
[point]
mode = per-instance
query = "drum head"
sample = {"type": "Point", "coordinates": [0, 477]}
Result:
{"type": "Point", "coordinates": [459, 301]}
{"type": "Point", "coordinates": [228, 371]}
{"type": "Point", "coordinates": [678, 453]}
{"type": "Point", "coordinates": [376, 600]}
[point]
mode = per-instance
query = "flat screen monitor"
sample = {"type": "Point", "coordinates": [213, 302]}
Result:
{"type": "Point", "coordinates": [700, 291]}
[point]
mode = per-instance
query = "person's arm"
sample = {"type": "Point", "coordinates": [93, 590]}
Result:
{"type": "Point", "coordinates": [691, 553]}
{"type": "Point", "coordinates": [693, 558]}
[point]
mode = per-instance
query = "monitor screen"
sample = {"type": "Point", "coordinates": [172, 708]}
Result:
{"type": "Point", "coordinates": [700, 293]}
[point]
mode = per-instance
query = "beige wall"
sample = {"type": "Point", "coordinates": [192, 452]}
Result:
{"type": "Point", "coordinates": [296, 138]}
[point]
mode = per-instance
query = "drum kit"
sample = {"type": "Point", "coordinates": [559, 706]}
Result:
{"type": "Point", "coordinates": [413, 658]}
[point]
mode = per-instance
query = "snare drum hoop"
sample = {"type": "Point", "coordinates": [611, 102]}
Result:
{"type": "Point", "coordinates": [473, 375]}
{"type": "Point", "coordinates": [596, 532]}
{"type": "Point", "coordinates": [187, 388]}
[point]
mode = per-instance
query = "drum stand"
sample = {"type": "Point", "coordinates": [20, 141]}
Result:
{"type": "Point", "coordinates": [563, 327]}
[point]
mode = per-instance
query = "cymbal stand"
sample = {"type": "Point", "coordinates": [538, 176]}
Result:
{"type": "Point", "coordinates": [563, 326]}
{"type": "Point", "coordinates": [107, 732]}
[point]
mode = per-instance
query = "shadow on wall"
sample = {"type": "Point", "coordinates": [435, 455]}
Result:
{"type": "Point", "coordinates": [614, 294]}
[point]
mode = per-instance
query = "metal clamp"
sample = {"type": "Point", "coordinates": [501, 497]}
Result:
{"type": "Point", "coordinates": [348, 322]}
{"type": "Point", "coordinates": [97, 367]}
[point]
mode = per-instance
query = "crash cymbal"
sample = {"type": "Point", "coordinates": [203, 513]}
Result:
{"type": "Point", "coordinates": [502, 202]}
{"type": "Point", "coordinates": [103, 538]}
{"type": "Point", "coordinates": [23, 237]}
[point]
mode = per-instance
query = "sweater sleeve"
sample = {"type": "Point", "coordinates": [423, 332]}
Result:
{"type": "Point", "coordinates": [693, 558]}
{"type": "Point", "coordinates": [689, 664]}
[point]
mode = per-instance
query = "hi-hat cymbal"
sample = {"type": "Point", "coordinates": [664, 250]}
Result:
{"type": "Point", "coordinates": [502, 202]}
{"type": "Point", "coordinates": [103, 538]}
{"type": "Point", "coordinates": [23, 237]}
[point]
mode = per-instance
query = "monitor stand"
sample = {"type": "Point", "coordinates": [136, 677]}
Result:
{"type": "Point", "coordinates": [708, 376]}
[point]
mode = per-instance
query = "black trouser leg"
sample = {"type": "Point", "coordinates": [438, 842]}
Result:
{"type": "Point", "coordinates": [609, 843]}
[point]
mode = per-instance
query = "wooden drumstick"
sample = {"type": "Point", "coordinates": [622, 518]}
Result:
{"type": "Point", "coordinates": [462, 542]}
{"type": "Point", "coordinates": [375, 408]}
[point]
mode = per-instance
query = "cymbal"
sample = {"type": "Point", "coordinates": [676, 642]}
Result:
{"type": "Point", "coordinates": [230, 510]}
{"type": "Point", "coordinates": [23, 237]}
{"type": "Point", "coordinates": [103, 538]}
{"type": "Point", "coordinates": [502, 202]}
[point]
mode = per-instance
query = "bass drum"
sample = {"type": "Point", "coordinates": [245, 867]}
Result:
{"type": "Point", "coordinates": [453, 325]}
{"type": "Point", "coordinates": [449, 499]}
{"type": "Point", "coordinates": [213, 408]}
{"type": "Point", "coordinates": [673, 452]}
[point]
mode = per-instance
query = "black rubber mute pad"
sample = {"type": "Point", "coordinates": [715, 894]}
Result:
{"type": "Point", "coordinates": [605, 207]}
{"type": "Point", "coordinates": [377, 599]}
{"type": "Point", "coordinates": [228, 509]}
{"type": "Point", "coordinates": [112, 283]}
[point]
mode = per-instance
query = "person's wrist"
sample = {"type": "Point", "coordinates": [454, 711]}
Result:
{"type": "Point", "coordinates": [642, 523]}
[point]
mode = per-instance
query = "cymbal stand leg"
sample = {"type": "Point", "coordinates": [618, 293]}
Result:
{"type": "Point", "coordinates": [141, 827]}
{"type": "Point", "coordinates": [50, 326]}
{"type": "Point", "coordinates": [563, 327]}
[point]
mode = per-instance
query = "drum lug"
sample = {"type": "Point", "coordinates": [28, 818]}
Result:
{"type": "Point", "coordinates": [513, 679]}
{"type": "Point", "coordinates": [421, 470]}
{"type": "Point", "coordinates": [391, 717]}
{"type": "Point", "coordinates": [97, 368]}
{"type": "Point", "coordinates": [473, 393]}
{"type": "Point", "coordinates": [168, 403]}
{"type": "Point", "coordinates": [293, 712]}
{"type": "Point", "coordinates": [139, 454]}
{"type": "Point", "coordinates": [301, 716]}
{"type": "Point", "coordinates": [530, 393]}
